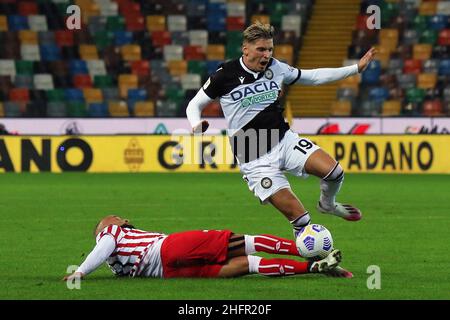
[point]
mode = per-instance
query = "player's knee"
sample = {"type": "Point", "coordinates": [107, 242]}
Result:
{"type": "Point", "coordinates": [240, 264]}
{"type": "Point", "coordinates": [243, 263]}
{"type": "Point", "coordinates": [336, 174]}
{"type": "Point", "coordinates": [235, 267]}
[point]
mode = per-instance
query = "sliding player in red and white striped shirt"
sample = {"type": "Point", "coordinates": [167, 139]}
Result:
{"type": "Point", "coordinates": [200, 253]}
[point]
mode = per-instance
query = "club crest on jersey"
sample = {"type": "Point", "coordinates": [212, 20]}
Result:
{"type": "Point", "coordinates": [266, 183]}
{"type": "Point", "coordinates": [268, 74]}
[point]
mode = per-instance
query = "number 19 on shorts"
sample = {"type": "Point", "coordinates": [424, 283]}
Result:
{"type": "Point", "coordinates": [303, 145]}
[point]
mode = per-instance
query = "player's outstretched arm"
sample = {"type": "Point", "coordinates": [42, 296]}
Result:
{"type": "Point", "coordinates": [104, 248]}
{"type": "Point", "coordinates": [327, 75]}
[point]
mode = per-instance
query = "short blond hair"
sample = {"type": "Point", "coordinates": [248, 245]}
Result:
{"type": "Point", "coordinates": [258, 31]}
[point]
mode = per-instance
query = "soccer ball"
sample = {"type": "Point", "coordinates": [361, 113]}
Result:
{"type": "Point", "coordinates": [314, 241]}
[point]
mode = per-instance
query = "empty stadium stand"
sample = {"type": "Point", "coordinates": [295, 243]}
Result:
{"type": "Point", "coordinates": [411, 74]}
{"type": "Point", "coordinates": [131, 57]}
{"type": "Point", "coordinates": [149, 57]}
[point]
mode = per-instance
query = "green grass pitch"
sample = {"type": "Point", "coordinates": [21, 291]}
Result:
{"type": "Point", "coordinates": [48, 219]}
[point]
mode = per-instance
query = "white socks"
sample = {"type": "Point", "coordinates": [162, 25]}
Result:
{"type": "Point", "coordinates": [253, 263]}
{"type": "Point", "coordinates": [249, 244]}
{"type": "Point", "coordinates": [330, 186]}
{"type": "Point", "coordinates": [300, 223]}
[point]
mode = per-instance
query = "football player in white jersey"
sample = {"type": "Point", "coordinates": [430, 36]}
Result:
{"type": "Point", "coordinates": [248, 89]}
{"type": "Point", "coordinates": [195, 254]}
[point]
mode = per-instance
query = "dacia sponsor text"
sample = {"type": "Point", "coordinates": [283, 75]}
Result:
{"type": "Point", "coordinates": [256, 93]}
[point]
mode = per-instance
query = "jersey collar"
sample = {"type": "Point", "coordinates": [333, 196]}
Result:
{"type": "Point", "coordinates": [255, 74]}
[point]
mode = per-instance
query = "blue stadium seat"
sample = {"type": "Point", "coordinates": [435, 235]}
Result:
{"type": "Point", "coordinates": [135, 95]}
{"type": "Point", "coordinates": [98, 110]}
{"type": "Point", "coordinates": [122, 38]}
{"type": "Point", "coordinates": [17, 23]}
{"type": "Point", "coordinates": [216, 24]}
{"type": "Point", "coordinates": [378, 94]}
{"type": "Point", "coordinates": [50, 52]}
{"type": "Point", "coordinates": [372, 73]}
{"type": "Point", "coordinates": [437, 22]}
{"type": "Point", "coordinates": [196, 8]}
{"type": "Point", "coordinates": [216, 16]}
{"type": "Point", "coordinates": [73, 94]}
{"type": "Point", "coordinates": [217, 8]}
{"type": "Point", "coordinates": [78, 67]}
{"type": "Point", "coordinates": [444, 67]}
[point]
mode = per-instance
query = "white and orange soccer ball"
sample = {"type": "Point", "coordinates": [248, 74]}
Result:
{"type": "Point", "coordinates": [313, 241]}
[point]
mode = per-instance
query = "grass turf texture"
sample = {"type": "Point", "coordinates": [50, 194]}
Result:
{"type": "Point", "coordinates": [48, 219]}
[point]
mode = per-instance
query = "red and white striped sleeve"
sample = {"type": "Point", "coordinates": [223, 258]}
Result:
{"type": "Point", "coordinates": [112, 230]}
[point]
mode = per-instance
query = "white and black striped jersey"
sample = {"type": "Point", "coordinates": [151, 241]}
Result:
{"type": "Point", "coordinates": [250, 103]}
{"type": "Point", "coordinates": [245, 94]}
